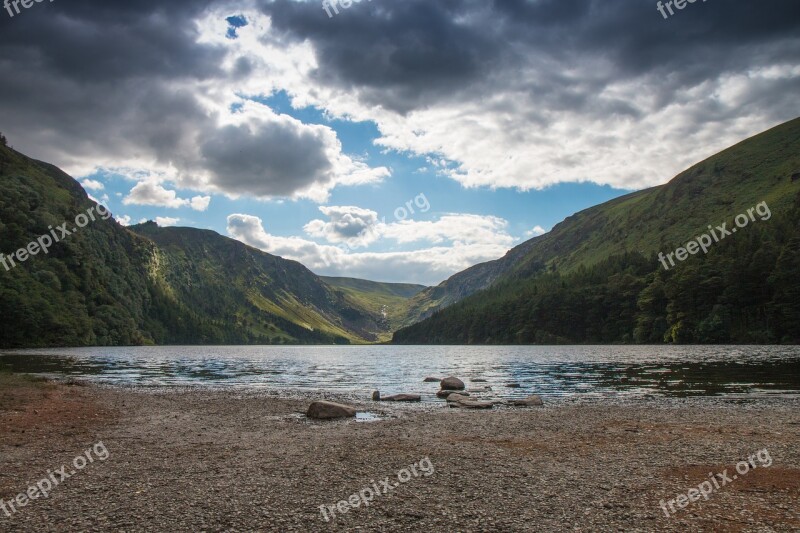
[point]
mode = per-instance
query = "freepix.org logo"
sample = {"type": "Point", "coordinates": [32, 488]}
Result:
{"type": "Point", "coordinates": [26, 4]}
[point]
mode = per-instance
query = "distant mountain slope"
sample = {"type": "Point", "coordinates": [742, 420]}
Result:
{"type": "Point", "coordinates": [639, 225]}
{"type": "Point", "coordinates": [221, 277]}
{"type": "Point", "coordinates": [108, 285]}
{"type": "Point", "coordinates": [387, 300]}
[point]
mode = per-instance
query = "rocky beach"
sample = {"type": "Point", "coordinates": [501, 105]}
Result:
{"type": "Point", "coordinates": [186, 459]}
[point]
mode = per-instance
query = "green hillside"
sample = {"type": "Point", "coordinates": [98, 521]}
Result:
{"type": "Point", "coordinates": [390, 301]}
{"type": "Point", "coordinates": [596, 276]}
{"type": "Point", "coordinates": [109, 285]}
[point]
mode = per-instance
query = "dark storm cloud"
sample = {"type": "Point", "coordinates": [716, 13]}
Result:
{"type": "Point", "coordinates": [93, 77]}
{"type": "Point", "coordinates": [93, 40]}
{"type": "Point", "coordinates": [274, 160]}
{"type": "Point", "coordinates": [98, 73]}
{"type": "Point", "coordinates": [121, 79]}
{"type": "Point", "coordinates": [413, 53]}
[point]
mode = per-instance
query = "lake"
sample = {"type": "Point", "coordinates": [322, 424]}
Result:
{"type": "Point", "coordinates": [553, 371]}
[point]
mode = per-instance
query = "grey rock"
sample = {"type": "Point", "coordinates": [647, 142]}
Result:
{"type": "Point", "coordinates": [431, 380]}
{"type": "Point", "coordinates": [329, 410]}
{"type": "Point", "coordinates": [452, 383]}
{"type": "Point", "coordinates": [403, 398]}
{"type": "Point", "coordinates": [457, 397]}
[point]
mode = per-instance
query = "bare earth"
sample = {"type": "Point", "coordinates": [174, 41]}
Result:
{"type": "Point", "coordinates": [183, 460]}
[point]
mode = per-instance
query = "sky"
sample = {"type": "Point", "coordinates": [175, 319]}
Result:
{"type": "Point", "coordinates": [392, 140]}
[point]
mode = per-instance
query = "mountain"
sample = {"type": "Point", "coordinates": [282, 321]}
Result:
{"type": "Point", "coordinates": [104, 284]}
{"type": "Point", "coordinates": [596, 277]}
{"type": "Point", "coordinates": [388, 300]}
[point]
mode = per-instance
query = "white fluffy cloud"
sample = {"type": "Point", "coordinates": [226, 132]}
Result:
{"type": "Point", "coordinates": [535, 231]}
{"type": "Point", "coordinates": [462, 241]}
{"type": "Point", "coordinates": [167, 221]}
{"type": "Point", "coordinates": [154, 194]}
{"type": "Point", "coordinates": [92, 185]}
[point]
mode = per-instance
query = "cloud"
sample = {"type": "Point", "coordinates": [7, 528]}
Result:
{"type": "Point", "coordinates": [265, 154]}
{"type": "Point", "coordinates": [428, 265]}
{"type": "Point", "coordinates": [493, 89]}
{"type": "Point", "coordinates": [535, 232]}
{"type": "Point", "coordinates": [154, 194]}
{"type": "Point", "coordinates": [462, 228]}
{"type": "Point", "coordinates": [124, 220]}
{"type": "Point", "coordinates": [162, 97]}
{"type": "Point", "coordinates": [347, 224]}
{"type": "Point", "coordinates": [167, 221]}
{"type": "Point", "coordinates": [92, 185]}
{"type": "Point", "coordinates": [496, 91]}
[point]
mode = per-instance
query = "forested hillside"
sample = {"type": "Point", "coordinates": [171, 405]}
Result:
{"type": "Point", "coordinates": [109, 285]}
{"type": "Point", "coordinates": [596, 278]}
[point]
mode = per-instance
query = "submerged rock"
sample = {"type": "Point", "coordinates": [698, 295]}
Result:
{"type": "Point", "coordinates": [431, 380]}
{"type": "Point", "coordinates": [452, 383]}
{"type": "Point", "coordinates": [513, 385]}
{"type": "Point", "coordinates": [479, 390]}
{"type": "Point", "coordinates": [478, 380]}
{"type": "Point", "coordinates": [328, 410]}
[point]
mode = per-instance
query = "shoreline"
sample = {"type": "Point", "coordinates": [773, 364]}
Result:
{"type": "Point", "coordinates": [191, 460]}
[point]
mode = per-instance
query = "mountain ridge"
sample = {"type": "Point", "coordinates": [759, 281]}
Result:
{"type": "Point", "coordinates": [574, 233]}
{"type": "Point", "coordinates": [106, 284]}
{"type": "Point", "coordinates": [762, 168]}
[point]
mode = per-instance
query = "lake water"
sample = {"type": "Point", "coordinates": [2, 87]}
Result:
{"type": "Point", "coordinates": [553, 371]}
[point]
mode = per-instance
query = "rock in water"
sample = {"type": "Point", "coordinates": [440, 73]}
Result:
{"type": "Point", "coordinates": [457, 397]}
{"type": "Point", "coordinates": [376, 396]}
{"type": "Point", "coordinates": [478, 380]}
{"type": "Point", "coordinates": [452, 383]}
{"type": "Point", "coordinates": [330, 410]}
{"type": "Point", "coordinates": [403, 398]}
{"type": "Point", "coordinates": [431, 380]}
{"type": "Point", "coordinates": [446, 393]}
{"type": "Point", "coordinates": [513, 385]}
{"type": "Point", "coordinates": [533, 400]}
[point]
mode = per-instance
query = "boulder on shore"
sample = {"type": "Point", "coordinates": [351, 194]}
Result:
{"type": "Point", "coordinates": [533, 400]}
{"type": "Point", "coordinates": [447, 393]}
{"type": "Point", "coordinates": [452, 383]}
{"type": "Point", "coordinates": [431, 380]}
{"type": "Point", "coordinates": [329, 410]}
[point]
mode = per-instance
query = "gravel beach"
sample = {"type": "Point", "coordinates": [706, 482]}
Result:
{"type": "Point", "coordinates": [210, 460]}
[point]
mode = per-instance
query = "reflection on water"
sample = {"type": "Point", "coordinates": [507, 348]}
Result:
{"type": "Point", "coordinates": [626, 371]}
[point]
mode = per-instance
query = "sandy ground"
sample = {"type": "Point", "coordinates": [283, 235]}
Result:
{"type": "Point", "coordinates": [188, 460]}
